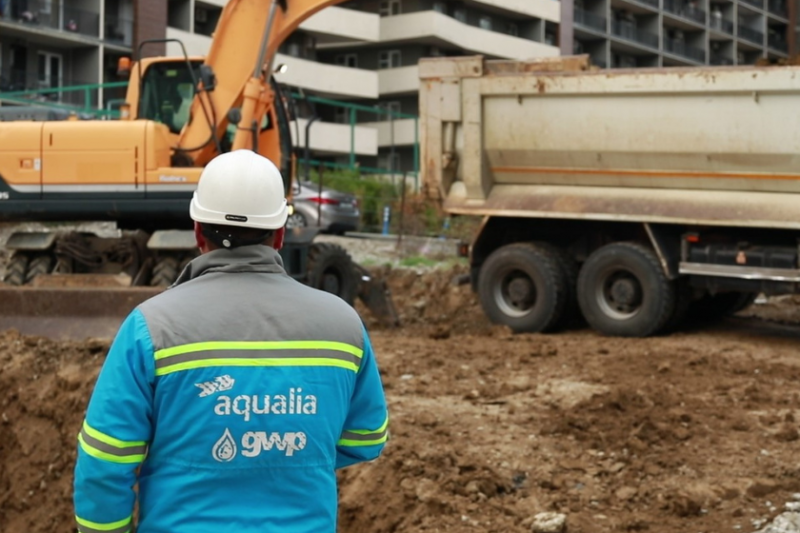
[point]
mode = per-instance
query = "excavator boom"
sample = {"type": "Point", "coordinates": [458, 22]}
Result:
{"type": "Point", "coordinates": [63, 286]}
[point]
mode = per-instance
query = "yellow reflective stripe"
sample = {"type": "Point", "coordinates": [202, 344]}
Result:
{"type": "Point", "coordinates": [110, 440]}
{"type": "Point", "coordinates": [99, 454]}
{"type": "Point", "coordinates": [255, 362]}
{"type": "Point", "coordinates": [259, 345]}
{"type": "Point", "coordinates": [107, 448]}
{"type": "Point", "coordinates": [365, 437]}
{"type": "Point", "coordinates": [121, 526]}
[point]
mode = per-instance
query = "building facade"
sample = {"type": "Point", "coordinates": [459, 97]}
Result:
{"type": "Point", "coordinates": [366, 52]}
{"type": "Point", "coordinates": [674, 33]}
{"type": "Point", "coordinates": [49, 44]}
{"type": "Point", "coordinates": [363, 52]}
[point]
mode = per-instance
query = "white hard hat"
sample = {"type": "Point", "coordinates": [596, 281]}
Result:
{"type": "Point", "coordinates": [240, 188]}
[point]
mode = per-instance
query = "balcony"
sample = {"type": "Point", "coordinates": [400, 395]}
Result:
{"type": "Point", "coordinates": [778, 7]}
{"type": "Point", "coordinates": [629, 32]}
{"type": "Point", "coordinates": [17, 80]}
{"type": "Point", "coordinates": [329, 138]}
{"type": "Point", "coordinates": [439, 28]}
{"type": "Point", "coordinates": [719, 61]}
{"type": "Point", "coordinates": [404, 134]}
{"type": "Point", "coordinates": [751, 35]}
{"type": "Point", "coordinates": [398, 80]}
{"type": "Point", "coordinates": [721, 25]}
{"type": "Point", "coordinates": [543, 9]}
{"type": "Point", "coordinates": [589, 20]}
{"type": "Point", "coordinates": [118, 31]}
{"type": "Point", "coordinates": [648, 3]}
{"type": "Point", "coordinates": [778, 42]}
{"type": "Point", "coordinates": [48, 15]}
{"type": "Point", "coordinates": [337, 24]}
{"type": "Point", "coordinates": [327, 80]}
{"type": "Point", "coordinates": [755, 3]}
{"type": "Point", "coordinates": [680, 48]}
{"type": "Point", "coordinates": [685, 10]}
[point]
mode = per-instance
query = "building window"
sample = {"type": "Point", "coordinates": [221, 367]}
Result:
{"type": "Point", "coordinates": [485, 22]}
{"type": "Point", "coordinates": [51, 70]}
{"type": "Point", "coordinates": [389, 59]}
{"type": "Point", "coordinates": [341, 115]}
{"type": "Point", "coordinates": [387, 162]}
{"type": "Point", "coordinates": [460, 14]}
{"type": "Point", "coordinates": [347, 60]}
{"type": "Point", "coordinates": [513, 29]}
{"type": "Point", "coordinates": [293, 49]}
{"type": "Point", "coordinates": [440, 7]}
{"type": "Point", "coordinates": [389, 8]}
{"type": "Point", "coordinates": [392, 107]}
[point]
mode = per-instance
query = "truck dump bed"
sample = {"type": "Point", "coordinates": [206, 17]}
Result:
{"type": "Point", "coordinates": [553, 138]}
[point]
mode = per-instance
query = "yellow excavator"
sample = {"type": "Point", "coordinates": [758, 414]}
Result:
{"type": "Point", "coordinates": [140, 172]}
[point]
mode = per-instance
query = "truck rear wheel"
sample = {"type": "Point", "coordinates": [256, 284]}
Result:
{"type": "Point", "coordinates": [331, 269]}
{"type": "Point", "coordinates": [623, 291]}
{"type": "Point", "coordinates": [569, 270]}
{"type": "Point", "coordinates": [522, 286]}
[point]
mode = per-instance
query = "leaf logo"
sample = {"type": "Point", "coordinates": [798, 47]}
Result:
{"type": "Point", "coordinates": [225, 448]}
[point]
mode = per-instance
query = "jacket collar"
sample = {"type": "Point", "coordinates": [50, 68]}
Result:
{"type": "Point", "coordinates": [254, 258]}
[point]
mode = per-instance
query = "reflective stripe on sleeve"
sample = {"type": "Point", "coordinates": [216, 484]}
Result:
{"type": "Point", "coordinates": [365, 437]}
{"type": "Point", "coordinates": [241, 353]}
{"type": "Point", "coordinates": [121, 526]}
{"type": "Point", "coordinates": [107, 448]}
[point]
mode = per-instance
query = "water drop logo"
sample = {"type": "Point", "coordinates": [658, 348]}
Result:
{"type": "Point", "coordinates": [225, 448]}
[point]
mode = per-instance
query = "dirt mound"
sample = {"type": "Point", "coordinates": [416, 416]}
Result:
{"type": "Point", "coordinates": [45, 387]}
{"type": "Point", "coordinates": [432, 301]}
{"type": "Point", "coordinates": [692, 432]}
{"type": "Point", "coordinates": [696, 431]}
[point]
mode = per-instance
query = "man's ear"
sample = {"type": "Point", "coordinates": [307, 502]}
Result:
{"type": "Point", "coordinates": [199, 238]}
{"type": "Point", "coordinates": [277, 241]}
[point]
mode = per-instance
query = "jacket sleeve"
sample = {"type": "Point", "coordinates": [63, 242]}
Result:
{"type": "Point", "coordinates": [116, 430]}
{"type": "Point", "coordinates": [367, 425]}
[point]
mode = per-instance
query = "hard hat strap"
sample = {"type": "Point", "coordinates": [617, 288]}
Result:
{"type": "Point", "coordinates": [227, 237]}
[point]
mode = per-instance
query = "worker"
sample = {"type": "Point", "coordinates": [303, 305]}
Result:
{"type": "Point", "coordinates": [233, 396]}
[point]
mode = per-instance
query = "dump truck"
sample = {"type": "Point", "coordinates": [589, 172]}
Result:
{"type": "Point", "coordinates": [140, 172]}
{"type": "Point", "coordinates": [628, 199]}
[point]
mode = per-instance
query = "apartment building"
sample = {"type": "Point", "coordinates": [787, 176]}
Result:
{"type": "Point", "coordinates": [48, 44]}
{"type": "Point", "coordinates": [674, 33]}
{"type": "Point", "coordinates": [366, 52]}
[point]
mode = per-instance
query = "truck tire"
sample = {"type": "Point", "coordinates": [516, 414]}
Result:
{"type": "Point", "coordinates": [331, 269]}
{"type": "Point", "coordinates": [40, 264]}
{"type": "Point", "coordinates": [165, 272]}
{"type": "Point", "coordinates": [522, 286]}
{"type": "Point", "coordinates": [623, 291]}
{"type": "Point", "coordinates": [16, 268]}
{"type": "Point", "coordinates": [569, 270]}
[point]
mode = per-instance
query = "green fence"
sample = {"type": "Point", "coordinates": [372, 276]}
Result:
{"type": "Point", "coordinates": [29, 97]}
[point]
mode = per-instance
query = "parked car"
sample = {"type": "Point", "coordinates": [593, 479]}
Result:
{"type": "Point", "coordinates": [336, 211]}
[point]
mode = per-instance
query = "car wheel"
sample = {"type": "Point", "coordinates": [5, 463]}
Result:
{"type": "Point", "coordinates": [296, 220]}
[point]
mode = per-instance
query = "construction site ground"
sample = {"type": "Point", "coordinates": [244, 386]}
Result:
{"type": "Point", "coordinates": [692, 432]}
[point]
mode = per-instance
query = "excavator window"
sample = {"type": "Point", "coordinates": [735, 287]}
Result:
{"type": "Point", "coordinates": [167, 93]}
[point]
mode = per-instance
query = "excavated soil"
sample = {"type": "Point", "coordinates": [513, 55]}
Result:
{"type": "Point", "coordinates": [692, 432]}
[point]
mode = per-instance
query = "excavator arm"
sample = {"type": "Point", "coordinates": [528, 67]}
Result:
{"type": "Point", "coordinates": [242, 50]}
